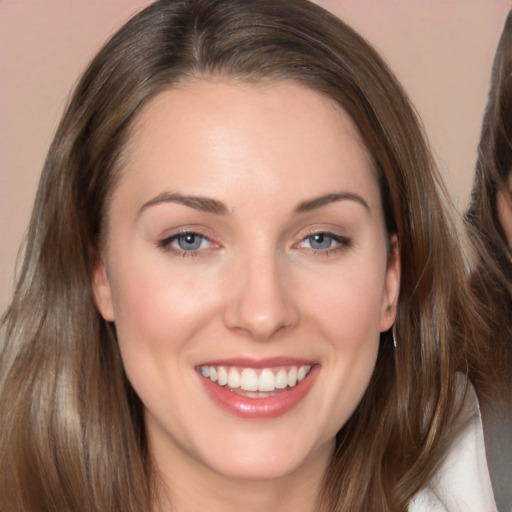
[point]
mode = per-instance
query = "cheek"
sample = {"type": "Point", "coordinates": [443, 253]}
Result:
{"type": "Point", "coordinates": [351, 322]}
{"type": "Point", "coordinates": [349, 303]}
{"type": "Point", "coordinates": [346, 311]}
{"type": "Point", "coordinates": [160, 316]}
{"type": "Point", "coordinates": [158, 310]}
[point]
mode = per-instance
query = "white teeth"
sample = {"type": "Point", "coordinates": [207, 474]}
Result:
{"type": "Point", "coordinates": [252, 380]}
{"type": "Point", "coordinates": [266, 381]}
{"type": "Point", "coordinates": [249, 380]}
{"type": "Point", "coordinates": [234, 379]}
{"type": "Point", "coordinates": [222, 376]}
{"type": "Point", "coordinates": [301, 373]}
{"type": "Point", "coordinates": [281, 379]}
{"type": "Point", "coordinates": [292, 377]}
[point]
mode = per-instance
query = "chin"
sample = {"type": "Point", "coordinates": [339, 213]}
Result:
{"type": "Point", "coordinates": [261, 469]}
{"type": "Point", "coordinates": [260, 460]}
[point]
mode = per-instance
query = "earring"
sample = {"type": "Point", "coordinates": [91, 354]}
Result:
{"type": "Point", "coordinates": [393, 335]}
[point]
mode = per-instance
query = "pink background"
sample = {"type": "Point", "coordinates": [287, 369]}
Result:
{"type": "Point", "coordinates": [441, 50]}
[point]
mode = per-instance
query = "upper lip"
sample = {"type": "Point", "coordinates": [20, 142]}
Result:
{"type": "Point", "coordinates": [254, 362]}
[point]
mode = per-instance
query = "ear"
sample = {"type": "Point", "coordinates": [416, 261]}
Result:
{"type": "Point", "coordinates": [391, 286]}
{"type": "Point", "coordinates": [102, 291]}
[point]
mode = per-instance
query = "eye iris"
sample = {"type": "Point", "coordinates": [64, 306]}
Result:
{"type": "Point", "coordinates": [320, 241]}
{"type": "Point", "coordinates": [189, 242]}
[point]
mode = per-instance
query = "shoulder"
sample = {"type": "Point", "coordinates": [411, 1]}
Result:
{"type": "Point", "coordinates": [462, 482]}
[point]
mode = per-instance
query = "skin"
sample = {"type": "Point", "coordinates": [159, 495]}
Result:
{"type": "Point", "coordinates": [257, 287]}
{"type": "Point", "coordinates": [504, 207]}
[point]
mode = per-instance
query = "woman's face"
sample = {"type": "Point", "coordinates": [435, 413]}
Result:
{"type": "Point", "coordinates": [248, 274]}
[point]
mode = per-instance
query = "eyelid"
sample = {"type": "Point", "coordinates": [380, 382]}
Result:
{"type": "Point", "coordinates": [168, 239]}
{"type": "Point", "coordinates": [184, 229]}
{"type": "Point", "coordinates": [165, 243]}
{"type": "Point", "coordinates": [342, 242]}
{"type": "Point", "coordinates": [332, 230]}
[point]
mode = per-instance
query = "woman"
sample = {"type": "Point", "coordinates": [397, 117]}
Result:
{"type": "Point", "coordinates": [490, 230]}
{"type": "Point", "coordinates": [231, 294]}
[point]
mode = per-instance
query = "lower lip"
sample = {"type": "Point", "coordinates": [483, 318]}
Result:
{"type": "Point", "coordinates": [264, 407]}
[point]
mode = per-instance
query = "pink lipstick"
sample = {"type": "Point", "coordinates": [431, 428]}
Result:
{"type": "Point", "coordinates": [258, 389]}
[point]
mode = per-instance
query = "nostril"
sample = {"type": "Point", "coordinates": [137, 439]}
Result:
{"type": "Point", "coordinates": [261, 322]}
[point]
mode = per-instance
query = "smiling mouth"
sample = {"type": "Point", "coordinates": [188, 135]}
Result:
{"type": "Point", "coordinates": [253, 382]}
{"type": "Point", "coordinates": [255, 390]}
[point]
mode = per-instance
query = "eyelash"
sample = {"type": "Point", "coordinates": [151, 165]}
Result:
{"type": "Point", "coordinates": [342, 241]}
{"type": "Point", "coordinates": [166, 243]}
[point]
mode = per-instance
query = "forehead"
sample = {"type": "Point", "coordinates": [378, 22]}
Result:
{"type": "Point", "coordinates": [208, 135]}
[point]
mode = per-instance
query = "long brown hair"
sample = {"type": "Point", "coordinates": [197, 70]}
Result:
{"type": "Point", "coordinates": [71, 427]}
{"type": "Point", "coordinates": [492, 273]}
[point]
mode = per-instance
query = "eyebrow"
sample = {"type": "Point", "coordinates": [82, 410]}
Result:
{"type": "Point", "coordinates": [204, 204]}
{"type": "Point", "coordinates": [209, 205]}
{"type": "Point", "coordinates": [318, 202]}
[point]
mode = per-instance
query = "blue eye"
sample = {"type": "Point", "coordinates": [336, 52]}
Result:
{"type": "Point", "coordinates": [185, 243]}
{"type": "Point", "coordinates": [189, 241]}
{"type": "Point", "coordinates": [325, 242]}
{"type": "Point", "coordinates": [320, 241]}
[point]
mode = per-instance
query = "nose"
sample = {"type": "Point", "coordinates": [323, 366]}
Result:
{"type": "Point", "coordinates": [261, 304]}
